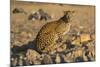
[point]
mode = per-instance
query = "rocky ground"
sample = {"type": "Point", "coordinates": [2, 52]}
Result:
{"type": "Point", "coordinates": [26, 22]}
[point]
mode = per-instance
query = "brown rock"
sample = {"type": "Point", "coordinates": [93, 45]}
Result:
{"type": "Point", "coordinates": [77, 41]}
{"type": "Point", "coordinates": [85, 37]}
{"type": "Point", "coordinates": [14, 61]}
{"type": "Point", "coordinates": [78, 53]}
{"type": "Point", "coordinates": [91, 51]}
{"type": "Point", "coordinates": [85, 58]}
{"type": "Point", "coordinates": [20, 61]}
{"type": "Point", "coordinates": [47, 59]}
{"type": "Point", "coordinates": [32, 56]}
{"type": "Point", "coordinates": [61, 48]}
{"type": "Point", "coordinates": [58, 59]}
{"type": "Point", "coordinates": [68, 57]}
{"type": "Point", "coordinates": [37, 62]}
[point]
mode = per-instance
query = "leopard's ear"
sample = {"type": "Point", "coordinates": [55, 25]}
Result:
{"type": "Point", "coordinates": [66, 17]}
{"type": "Point", "coordinates": [68, 12]}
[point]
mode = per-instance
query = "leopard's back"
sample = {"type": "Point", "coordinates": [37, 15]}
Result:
{"type": "Point", "coordinates": [46, 37]}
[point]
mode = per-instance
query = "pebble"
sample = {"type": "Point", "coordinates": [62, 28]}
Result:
{"type": "Point", "coordinates": [20, 62]}
{"type": "Point", "coordinates": [78, 53]}
{"type": "Point", "coordinates": [25, 61]}
{"type": "Point", "coordinates": [85, 58]}
{"type": "Point", "coordinates": [32, 55]}
{"type": "Point", "coordinates": [14, 62]}
{"type": "Point", "coordinates": [47, 59]}
{"type": "Point", "coordinates": [58, 59]}
{"type": "Point", "coordinates": [67, 57]}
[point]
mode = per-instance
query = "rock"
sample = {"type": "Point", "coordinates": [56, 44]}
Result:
{"type": "Point", "coordinates": [21, 57]}
{"type": "Point", "coordinates": [91, 51]}
{"type": "Point", "coordinates": [43, 15]}
{"type": "Point", "coordinates": [78, 53]}
{"type": "Point", "coordinates": [85, 58]}
{"type": "Point", "coordinates": [20, 62]}
{"type": "Point", "coordinates": [32, 56]}
{"type": "Point", "coordinates": [19, 10]}
{"type": "Point", "coordinates": [25, 61]}
{"type": "Point", "coordinates": [12, 59]}
{"type": "Point", "coordinates": [79, 59]}
{"type": "Point", "coordinates": [68, 58]}
{"type": "Point", "coordinates": [81, 38]}
{"type": "Point", "coordinates": [53, 52]}
{"type": "Point", "coordinates": [47, 59]}
{"type": "Point", "coordinates": [34, 16]}
{"type": "Point", "coordinates": [58, 59]}
{"type": "Point", "coordinates": [61, 48]}
{"type": "Point", "coordinates": [39, 15]}
{"type": "Point", "coordinates": [37, 62]}
{"type": "Point", "coordinates": [77, 41]}
{"type": "Point", "coordinates": [14, 62]}
{"type": "Point", "coordinates": [85, 37]}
